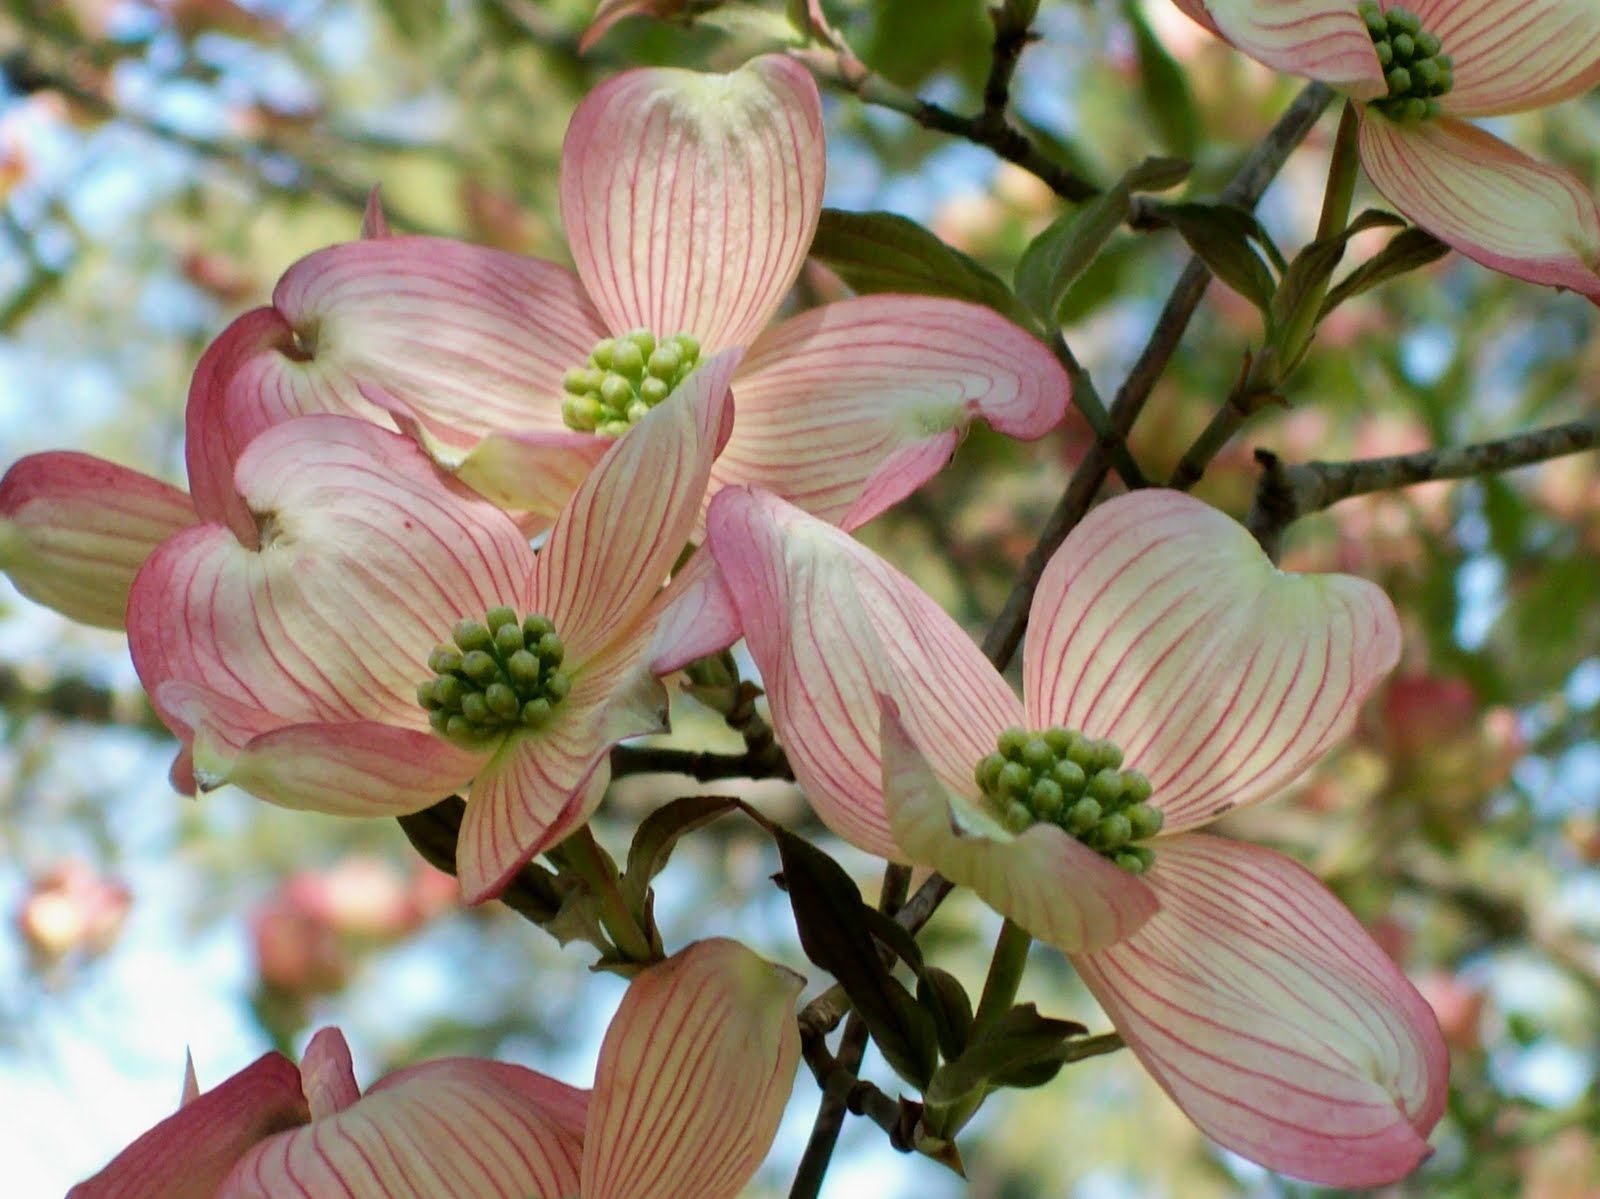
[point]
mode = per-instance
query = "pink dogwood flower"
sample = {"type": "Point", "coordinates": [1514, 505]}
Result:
{"type": "Point", "coordinates": [1417, 71]}
{"type": "Point", "coordinates": [689, 201]}
{"type": "Point", "coordinates": [366, 635]}
{"type": "Point", "coordinates": [705, 1043]}
{"type": "Point", "coordinates": [1171, 674]}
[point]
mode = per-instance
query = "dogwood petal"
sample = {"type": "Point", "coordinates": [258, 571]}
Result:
{"type": "Point", "coordinates": [1512, 55]}
{"type": "Point", "coordinates": [1318, 39]}
{"type": "Point", "coordinates": [1043, 879]}
{"type": "Point", "coordinates": [468, 338]}
{"type": "Point", "coordinates": [1490, 201]}
{"type": "Point", "coordinates": [1271, 1017]}
{"type": "Point", "coordinates": [462, 1127]}
{"type": "Point", "coordinates": [698, 617]}
{"type": "Point", "coordinates": [190, 1152]}
{"type": "Point", "coordinates": [831, 626]}
{"type": "Point", "coordinates": [343, 768]}
{"type": "Point", "coordinates": [1160, 625]}
{"type": "Point", "coordinates": [74, 531]}
{"type": "Point", "coordinates": [693, 1076]}
{"type": "Point", "coordinates": [837, 405]}
{"type": "Point", "coordinates": [367, 558]}
{"type": "Point", "coordinates": [533, 473]}
{"type": "Point", "coordinates": [541, 786]}
{"type": "Point", "coordinates": [690, 199]}
{"type": "Point", "coordinates": [612, 546]}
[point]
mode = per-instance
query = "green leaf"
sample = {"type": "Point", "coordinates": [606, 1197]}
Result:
{"type": "Point", "coordinates": [1406, 251]}
{"type": "Point", "coordinates": [833, 924]}
{"type": "Point", "coordinates": [1225, 238]}
{"type": "Point", "coordinates": [879, 252]}
{"type": "Point", "coordinates": [1065, 249]}
{"type": "Point", "coordinates": [1019, 1040]}
{"type": "Point", "coordinates": [658, 835]}
{"type": "Point", "coordinates": [1165, 88]}
{"type": "Point", "coordinates": [947, 1001]}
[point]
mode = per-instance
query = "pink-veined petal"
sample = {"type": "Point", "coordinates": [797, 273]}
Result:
{"type": "Point", "coordinates": [467, 338]}
{"type": "Point", "coordinates": [74, 531]}
{"type": "Point", "coordinates": [831, 627]}
{"type": "Point", "coordinates": [343, 768]}
{"type": "Point", "coordinates": [374, 223]}
{"type": "Point", "coordinates": [1160, 625]}
{"type": "Point", "coordinates": [1271, 1017]}
{"type": "Point", "coordinates": [690, 199]}
{"type": "Point", "coordinates": [693, 1077]}
{"type": "Point", "coordinates": [611, 548]}
{"type": "Point", "coordinates": [1052, 885]}
{"type": "Point", "coordinates": [1487, 199]}
{"type": "Point", "coordinates": [612, 11]}
{"type": "Point", "coordinates": [189, 1153]}
{"type": "Point", "coordinates": [328, 1074]}
{"type": "Point", "coordinates": [1512, 55]}
{"type": "Point", "coordinates": [834, 405]}
{"type": "Point", "coordinates": [543, 785]}
{"type": "Point", "coordinates": [698, 616]}
{"type": "Point", "coordinates": [458, 1127]}
{"type": "Point", "coordinates": [534, 473]}
{"type": "Point", "coordinates": [1318, 39]}
{"type": "Point", "coordinates": [367, 558]}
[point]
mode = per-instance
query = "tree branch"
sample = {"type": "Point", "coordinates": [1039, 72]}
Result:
{"type": "Point", "coordinates": [1244, 189]}
{"type": "Point", "coordinates": [1286, 493]}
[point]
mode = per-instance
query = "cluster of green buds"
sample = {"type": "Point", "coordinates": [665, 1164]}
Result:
{"type": "Point", "coordinates": [501, 674]}
{"type": "Point", "coordinates": [1414, 67]}
{"type": "Point", "coordinates": [1076, 783]}
{"type": "Point", "coordinates": [625, 378]}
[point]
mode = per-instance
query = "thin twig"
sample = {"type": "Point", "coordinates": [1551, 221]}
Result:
{"type": "Point", "coordinates": [1286, 493]}
{"type": "Point", "coordinates": [25, 693]}
{"type": "Point", "coordinates": [1244, 189]}
{"type": "Point", "coordinates": [701, 765]}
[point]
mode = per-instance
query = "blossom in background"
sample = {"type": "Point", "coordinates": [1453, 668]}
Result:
{"type": "Point", "coordinates": [1171, 674]}
{"type": "Point", "coordinates": [705, 1042]}
{"type": "Point", "coordinates": [1416, 71]}
{"type": "Point", "coordinates": [376, 636]}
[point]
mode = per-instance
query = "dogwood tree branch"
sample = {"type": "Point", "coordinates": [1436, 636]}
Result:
{"type": "Point", "coordinates": [1244, 189]}
{"type": "Point", "coordinates": [25, 692]}
{"type": "Point", "coordinates": [1285, 493]}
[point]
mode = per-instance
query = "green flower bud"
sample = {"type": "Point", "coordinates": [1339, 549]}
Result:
{"type": "Point", "coordinates": [1037, 755]}
{"type": "Point", "coordinates": [439, 720]}
{"type": "Point", "coordinates": [1070, 775]}
{"type": "Point", "coordinates": [1105, 786]}
{"type": "Point", "coordinates": [636, 411]}
{"type": "Point", "coordinates": [558, 686]}
{"type": "Point", "coordinates": [445, 659]}
{"type": "Point", "coordinates": [1385, 53]}
{"type": "Point", "coordinates": [1130, 861]}
{"type": "Point", "coordinates": [664, 363]}
{"type": "Point", "coordinates": [582, 413]}
{"type": "Point", "coordinates": [1145, 821]}
{"type": "Point", "coordinates": [1011, 742]}
{"type": "Point", "coordinates": [551, 649]}
{"type": "Point", "coordinates": [1372, 14]}
{"type": "Point", "coordinates": [447, 691]}
{"type": "Point", "coordinates": [612, 428]}
{"type": "Point", "coordinates": [615, 392]}
{"type": "Point", "coordinates": [498, 617]}
{"type": "Point", "coordinates": [470, 635]}
{"type": "Point", "coordinates": [1404, 20]}
{"type": "Point", "coordinates": [1015, 779]}
{"type": "Point", "coordinates": [1082, 752]}
{"type": "Point", "coordinates": [459, 729]}
{"type": "Point", "coordinates": [480, 667]}
{"type": "Point", "coordinates": [523, 669]}
{"type": "Point", "coordinates": [627, 360]}
{"type": "Point", "coordinates": [536, 625]}
{"type": "Point", "coordinates": [475, 708]}
{"type": "Point", "coordinates": [652, 391]}
{"type": "Point", "coordinates": [1135, 787]}
{"type": "Point", "coordinates": [1047, 799]}
{"type": "Point", "coordinates": [987, 772]}
{"type": "Point", "coordinates": [575, 381]}
{"type": "Point", "coordinates": [1404, 48]}
{"type": "Point", "coordinates": [508, 639]}
{"type": "Point", "coordinates": [645, 340]}
{"type": "Point", "coordinates": [1083, 816]}
{"type": "Point", "coordinates": [536, 713]}
{"type": "Point", "coordinates": [1115, 831]}
{"type": "Point", "coordinates": [1399, 80]}
{"type": "Point", "coordinates": [425, 696]}
{"type": "Point", "coordinates": [502, 701]}
{"type": "Point", "coordinates": [1059, 740]}
{"type": "Point", "coordinates": [1016, 817]}
{"type": "Point", "coordinates": [601, 354]}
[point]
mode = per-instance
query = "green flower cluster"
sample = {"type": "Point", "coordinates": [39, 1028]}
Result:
{"type": "Point", "coordinates": [499, 675]}
{"type": "Point", "coordinates": [1413, 65]}
{"type": "Point", "coordinates": [1064, 778]}
{"type": "Point", "coordinates": [625, 378]}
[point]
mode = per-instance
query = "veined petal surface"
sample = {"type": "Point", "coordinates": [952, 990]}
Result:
{"type": "Point", "coordinates": [542, 785]}
{"type": "Point", "coordinates": [1512, 55]}
{"type": "Point", "coordinates": [189, 1153]}
{"type": "Point", "coordinates": [1270, 1016]}
{"type": "Point", "coordinates": [835, 404]}
{"type": "Point", "coordinates": [1318, 39]}
{"type": "Point", "coordinates": [831, 627]}
{"type": "Point", "coordinates": [1160, 625]}
{"type": "Point", "coordinates": [689, 199]}
{"type": "Point", "coordinates": [698, 616]}
{"type": "Point", "coordinates": [367, 557]}
{"type": "Point", "coordinates": [611, 548]}
{"type": "Point", "coordinates": [693, 1077]}
{"type": "Point", "coordinates": [1052, 885]}
{"type": "Point", "coordinates": [461, 1127]}
{"type": "Point", "coordinates": [1489, 200]}
{"type": "Point", "coordinates": [74, 531]}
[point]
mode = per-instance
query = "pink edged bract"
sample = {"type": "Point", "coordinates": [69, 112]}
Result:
{"type": "Point", "coordinates": [1249, 992]}
{"type": "Point", "coordinates": [1468, 188]}
{"type": "Point", "coordinates": [286, 650]}
{"type": "Point", "coordinates": [694, 1072]}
